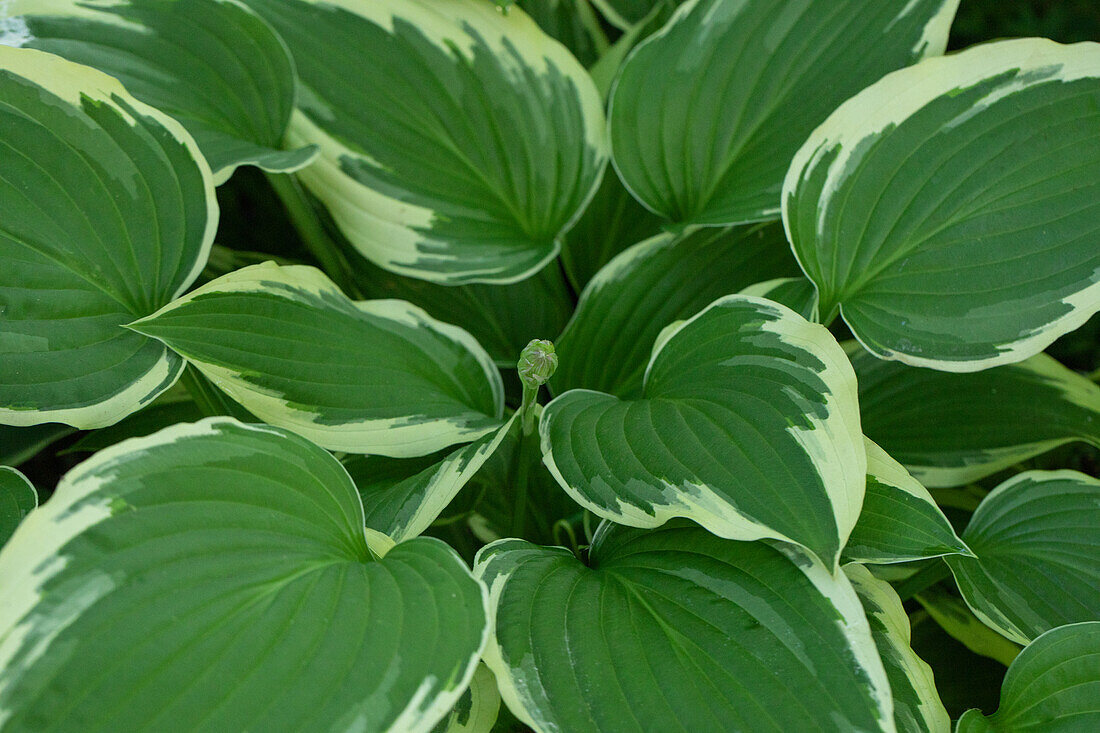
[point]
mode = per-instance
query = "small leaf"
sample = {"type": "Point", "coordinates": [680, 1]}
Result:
{"type": "Point", "coordinates": [950, 210]}
{"type": "Point", "coordinates": [955, 617]}
{"type": "Point", "coordinates": [17, 498]}
{"type": "Point", "coordinates": [707, 113]}
{"type": "Point", "coordinates": [676, 629]}
{"type": "Point", "coordinates": [1035, 537]}
{"type": "Point", "coordinates": [953, 429]}
{"type": "Point", "coordinates": [476, 711]}
{"type": "Point", "coordinates": [900, 521]}
{"type": "Point", "coordinates": [917, 705]}
{"type": "Point", "coordinates": [214, 65]}
{"type": "Point", "coordinates": [403, 496]}
{"type": "Point", "coordinates": [668, 277]}
{"type": "Point", "coordinates": [1052, 686]}
{"type": "Point", "coordinates": [747, 424]}
{"type": "Point", "coordinates": [378, 376]}
{"type": "Point", "coordinates": [797, 293]}
{"type": "Point", "coordinates": [108, 214]}
{"type": "Point", "coordinates": [221, 570]}
{"type": "Point", "coordinates": [467, 143]}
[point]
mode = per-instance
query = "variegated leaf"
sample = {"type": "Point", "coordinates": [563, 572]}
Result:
{"type": "Point", "coordinates": [950, 210]}
{"type": "Point", "coordinates": [107, 212]}
{"type": "Point", "coordinates": [376, 376]}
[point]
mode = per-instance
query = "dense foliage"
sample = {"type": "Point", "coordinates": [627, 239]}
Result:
{"type": "Point", "coordinates": [574, 365]}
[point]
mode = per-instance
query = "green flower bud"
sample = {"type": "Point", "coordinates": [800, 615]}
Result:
{"type": "Point", "coordinates": [537, 363]}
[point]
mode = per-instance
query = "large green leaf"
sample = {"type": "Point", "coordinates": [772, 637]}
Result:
{"type": "Point", "coordinates": [707, 113]}
{"type": "Point", "coordinates": [1037, 538]}
{"type": "Point", "coordinates": [1053, 686]}
{"type": "Point", "coordinates": [624, 307]}
{"type": "Point", "coordinates": [403, 496]}
{"type": "Point", "coordinates": [463, 145]}
{"type": "Point", "coordinates": [377, 376]}
{"type": "Point", "coordinates": [917, 705]}
{"type": "Point", "coordinates": [214, 65]}
{"type": "Point", "coordinates": [17, 498]}
{"type": "Point", "coordinates": [676, 629]}
{"type": "Point", "coordinates": [899, 521]}
{"type": "Point", "coordinates": [612, 221]}
{"type": "Point", "coordinates": [747, 423]}
{"type": "Point", "coordinates": [952, 429]}
{"type": "Point", "coordinates": [107, 212]}
{"type": "Point", "coordinates": [950, 210]}
{"type": "Point", "coordinates": [215, 577]}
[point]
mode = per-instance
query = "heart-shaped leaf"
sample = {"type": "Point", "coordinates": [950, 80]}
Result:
{"type": "Point", "coordinates": [214, 65]}
{"type": "Point", "coordinates": [377, 376]}
{"type": "Point", "coordinates": [17, 498]}
{"type": "Point", "coordinates": [403, 496]}
{"type": "Point", "coordinates": [467, 143]}
{"type": "Point", "coordinates": [953, 429]}
{"type": "Point", "coordinates": [707, 113]}
{"type": "Point", "coordinates": [1052, 686]}
{"type": "Point", "coordinates": [900, 521]}
{"type": "Point", "coordinates": [107, 212]}
{"type": "Point", "coordinates": [917, 705]}
{"type": "Point", "coordinates": [676, 629]}
{"type": "Point", "coordinates": [950, 210]}
{"type": "Point", "coordinates": [1037, 567]}
{"type": "Point", "coordinates": [215, 576]}
{"type": "Point", "coordinates": [663, 279]}
{"type": "Point", "coordinates": [747, 424]}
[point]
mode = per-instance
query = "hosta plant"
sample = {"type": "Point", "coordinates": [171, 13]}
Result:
{"type": "Point", "coordinates": [599, 365]}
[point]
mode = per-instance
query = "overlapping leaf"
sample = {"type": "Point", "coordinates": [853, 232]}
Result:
{"type": "Point", "coordinates": [950, 210]}
{"type": "Point", "coordinates": [952, 429]}
{"type": "Point", "coordinates": [1052, 686]}
{"type": "Point", "coordinates": [1037, 541]}
{"type": "Point", "coordinates": [464, 144]}
{"type": "Point", "coordinates": [747, 423]}
{"type": "Point", "coordinates": [17, 498]}
{"type": "Point", "coordinates": [213, 65]}
{"type": "Point", "coordinates": [707, 113]}
{"type": "Point", "coordinates": [372, 377]}
{"type": "Point", "coordinates": [668, 277]}
{"type": "Point", "coordinates": [917, 705]}
{"type": "Point", "coordinates": [676, 629]}
{"type": "Point", "coordinates": [899, 520]}
{"type": "Point", "coordinates": [107, 212]}
{"type": "Point", "coordinates": [215, 576]}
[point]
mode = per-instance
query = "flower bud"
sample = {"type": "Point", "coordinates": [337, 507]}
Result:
{"type": "Point", "coordinates": [537, 363]}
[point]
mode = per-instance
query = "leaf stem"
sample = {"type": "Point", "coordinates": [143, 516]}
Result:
{"type": "Point", "coordinates": [210, 400]}
{"type": "Point", "coordinates": [314, 235]}
{"type": "Point", "coordinates": [522, 476]}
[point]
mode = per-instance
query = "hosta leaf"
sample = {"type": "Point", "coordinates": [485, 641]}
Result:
{"type": "Point", "coordinates": [503, 318]}
{"type": "Point", "coordinates": [107, 212]}
{"type": "Point", "coordinates": [1036, 537]}
{"type": "Point", "coordinates": [607, 343]}
{"type": "Point", "coordinates": [797, 293]}
{"type": "Point", "coordinates": [747, 424]}
{"type": "Point", "coordinates": [950, 210]}
{"type": "Point", "coordinates": [1052, 686]}
{"type": "Point", "coordinates": [215, 577]}
{"type": "Point", "coordinates": [403, 496]}
{"type": "Point", "coordinates": [955, 617]}
{"type": "Point", "coordinates": [952, 429]}
{"type": "Point", "coordinates": [625, 13]}
{"type": "Point", "coordinates": [21, 444]}
{"type": "Point", "coordinates": [214, 65]}
{"type": "Point", "coordinates": [476, 711]}
{"type": "Point", "coordinates": [676, 629]}
{"type": "Point", "coordinates": [899, 521]}
{"type": "Point", "coordinates": [708, 112]}
{"type": "Point", "coordinates": [466, 144]}
{"type": "Point", "coordinates": [573, 22]}
{"type": "Point", "coordinates": [377, 376]}
{"type": "Point", "coordinates": [612, 221]}
{"type": "Point", "coordinates": [917, 705]}
{"type": "Point", "coordinates": [17, 498]}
